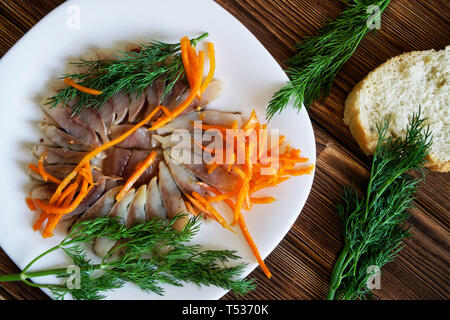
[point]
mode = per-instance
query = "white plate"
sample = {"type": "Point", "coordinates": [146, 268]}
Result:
{"type": "Point", "coordinates": [249, 73]}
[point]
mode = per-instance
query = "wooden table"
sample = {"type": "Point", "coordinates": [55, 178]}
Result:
{"type": "Point", "coordinates": [302, 262]}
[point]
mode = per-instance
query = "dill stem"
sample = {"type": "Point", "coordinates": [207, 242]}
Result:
{"type": "Point", "coordinates": [336, 277]}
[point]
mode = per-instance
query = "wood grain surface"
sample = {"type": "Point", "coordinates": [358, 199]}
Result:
{"type": "Point", "coordinates": [302, 263]}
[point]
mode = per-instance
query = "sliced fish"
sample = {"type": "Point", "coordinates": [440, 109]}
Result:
{"type": "Point", "coordinates": [213, 117]}
{"type": "Point", "coordinates": [136, 157]}
{"type": "Point", "coordinates": [171, 197]}
{"type": "Point", "coordinates": [140, 139]}
{"type": "Point", "coordinates": [120, 210]}
{"type": "Point", "coordinates": [94, 194]}
{"type": "Point", "coordinates": [63, 139]}
{"type": "Point", "coordinates": [120, 102]}
{"type": "Point", "coordinates": [137, 207]}
{"type": "Point", "coordinates": [108, 114]}
{"type": "Point", "coordinates": [94, 121]}
{"type": "Point", "coordinates": [220, 178]}
{"type": "Point", "coordinates": [184, 178]}
{"type": "Point", "coordinates": [102, 206]}
{"type": "Point", "coordinates": [135, 105]}
{"type": "Point", "coordinates": [115, 162]}
{"type": "Point", "coordinates": [154, 95]}
{"type": "Point", "coordinates": [58, 155]}
{"type": "Point", "coordinates": [72, 124]}
{"type": "Point", "coordinates": [154, 206]}
{"type": "Point", "coordinates": [43, 191]}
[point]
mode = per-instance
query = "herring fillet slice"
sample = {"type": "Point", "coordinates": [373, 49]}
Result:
{"type": "Point", "coordinates": [137, 208]}
{"type": "Point", "coordinates": [101, 207]}
{"type": "Point", "coordinates": [103, 245]}
{"type": "Point", "coordinates": [154, 206]}
{"type": "Point", "coordinates": [171, 197]}
{"type": "Point", "coordinates": [72, 124]}
{"type": "Point", "coordinates": [63, 139]}
{"type": "Point", "coordinates": [183, 177]}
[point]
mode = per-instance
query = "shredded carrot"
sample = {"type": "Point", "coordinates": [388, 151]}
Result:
{"type": "Point", "coordinates": [184, 48]}
{"type": "Point", "coordinates": [42, 217]}
{"type": "Point", "coordinates": [62, 210]}
{"type": "Point", "coordinates": [240, 200]}
{"type": "Point", "coordinates": [87, 173]}
{"type": "Point", "coordinates": [136, 175]}
{"type": "Point", "coordinates": [72, 83]}
{"type": "Point", "coordinates": [41, 166]}
{"type": "Point", "coordinates": [212, 210]}
{"type": "Point", "coordinates": [212, 67]}
{"type": "Point", "coordinates": [199, 206]}
{"type": "Point", "coordinates": [53, 219]}
{"type": "Point", "coordinates": [71, 189]}
{"type": "Point", "coordinates": [262, 200]}
{"type": "Point", "coordinates": [209, 127]}
{"type": "Point", "coordinates": [190, 208]}
{"type": "Point", "coordinates": [244, 230]}
{"type": "Point", "coordinates": [30, 204]}
{"type": "Point", "coordinates": [253, 246]}
{"type": "Point", "coordinates": [49, 176]}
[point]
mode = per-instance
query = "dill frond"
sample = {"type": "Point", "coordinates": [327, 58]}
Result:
{"type": "Point", "coordinates": [373, 224]}
{"type": "Point", "coordinates": [319, 58]}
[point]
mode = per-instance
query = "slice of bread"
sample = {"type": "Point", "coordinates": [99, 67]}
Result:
{"type": "Point", "coordinates": [399, 87]}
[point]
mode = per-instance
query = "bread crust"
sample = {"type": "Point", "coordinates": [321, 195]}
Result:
{"type": "Point", "coordinates": [353, 115]}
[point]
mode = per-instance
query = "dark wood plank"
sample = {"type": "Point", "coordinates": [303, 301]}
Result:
{"type": "Point", "coordinates": [303, 261]}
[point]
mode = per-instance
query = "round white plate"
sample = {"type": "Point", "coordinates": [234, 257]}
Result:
{"type": "Point", "coordinates": [249, 73]}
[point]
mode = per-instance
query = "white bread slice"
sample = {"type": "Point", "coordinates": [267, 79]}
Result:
{"type": "Point", "coordinates": [399, 87]}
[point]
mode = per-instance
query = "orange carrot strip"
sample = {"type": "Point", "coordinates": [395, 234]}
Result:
{"type": "Point", "coordinates": [30, 204]}
{"type": "Point", "coordinates": [184, 48]}
{"type": "Point", "coordinates": [212, 67]}
{"type": "Point", "coordinates": [221, 197]}
{"type": "Point", "coordinates": [262, 200]}
{"type": "Point", "coordinates": [72, 188]}
{"type": "Point", "coordinates": [190, 208]}
{"type": "Point", "coordinates": [62, 210]}
{"type": "Point", "coordinates": [194, 91]}
{"type": "Point", "coordinates": [41, 166]}
{"type": "Point", "coordinates": [55, 218]}
{"type": "Point", "coordinates": [210, 127]}
{"type": "Point", "coordinates": [264, 185]}
{"type": "Point", "coordinates": [299, 171]}
{"type": "Point", "coordinates": [49, 176]}
{"type": "Point", "coordinates": [199, 206]}
{"type": "Point", "coordinates": [241, 198]}
{"type": "Point", "coordinates": [252, 121]}
{"type": "Point", "coordinates": [252, 245]}
{"type": "Point", "coordinates": [212, 210]}
{"type": "Point", "coordinates": [42, 217]}
{"type": "Point", "coordinates": [136, 175]}
{"type": "Point", "coordinates": [72, 83]}
{"type": "Point", "coordinates": [87, 173]}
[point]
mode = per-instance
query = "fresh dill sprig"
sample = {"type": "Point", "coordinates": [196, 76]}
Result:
{"type": "Point", "coordinates": [319, 58]}
{"type": "Point", "coordinates": [373, 225]}
{"type": "Point", "coordinates": [147, 254]}
{"type": "Point", "coordinates": [130, 73]}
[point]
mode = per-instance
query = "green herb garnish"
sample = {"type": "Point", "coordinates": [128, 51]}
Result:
{"type": "Point", "coordinates": [130, 73]}
{"type": "Point", "coordinates": [373, 225]}
{"type": "Point", "coordinates": [147, 255]}
{"type": "Point", "coordinates": [312, 69]}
